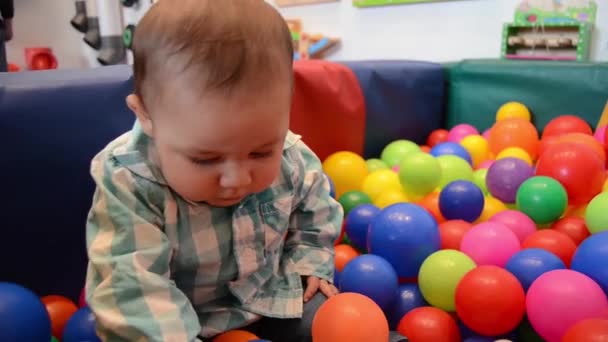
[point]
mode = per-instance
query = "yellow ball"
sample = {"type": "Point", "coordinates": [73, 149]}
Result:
{"type": "Point", "coordinates": [478, 148]}
{"type": "Point", "coordinates": [577, 211]}
{"type": "Point", "coordinates": [491, 207]}
{"type": "Point", "coordinates": [380, 181]}
{"type": "Point", "coordinates": [515, 152]}
{"type": "Point", "coordinates": [347, 170]}
{"type": "Point", "coordinates": [605, 189]}
{"type": "Point", "coordinates": [513, 110]}
{"type": "Point", "coordinates": [390, 197]}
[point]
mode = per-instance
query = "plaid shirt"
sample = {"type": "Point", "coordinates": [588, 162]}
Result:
{"type": "Point", "coordinates": [162, 268]}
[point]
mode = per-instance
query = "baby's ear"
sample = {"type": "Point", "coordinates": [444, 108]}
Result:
{"type": "Point", "coordinates": [136, 105]}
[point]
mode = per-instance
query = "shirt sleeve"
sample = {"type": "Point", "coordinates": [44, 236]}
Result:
{"type": "Point", "coordinates": [128, 282]}
{"type": "Point", "coordinates": [316, 221]}
{"type": "Point", "coordinates": [7, 9]}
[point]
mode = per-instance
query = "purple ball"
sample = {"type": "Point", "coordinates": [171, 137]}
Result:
{"type": "Point", "coordinates": [505, 176]}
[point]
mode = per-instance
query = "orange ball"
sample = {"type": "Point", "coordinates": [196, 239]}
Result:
{"type": "Point", "coordinates": [425, 148]}
{"type": "Point", "coordinates": [452, 232]}
{"type": "Point", "coordinates": [350, 317]}
{"type": "Point", "coordinates": [430, 202]}
{"type": "Point", "coordinates": [60, 310]}
{"type": "Point", "coordinates": [343, 255]}
{"type": "Point", "coordinates": [236, 336]}
{"type": "Point", "coordinates": [514, 132]}
{"type": "Point", "coordinates": [564, 124]}
{"type": "Point", "coordinates": [588, 330]}
{"type": "Point", "coordinates": [428, 323]}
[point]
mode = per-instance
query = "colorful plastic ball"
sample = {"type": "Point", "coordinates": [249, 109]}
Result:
{"type": "Point", "coordinates": [408, 298]}
{"type": "Point", "coordinates": [486, 133]}
{"type": "Point", "coordinates": [513, 109]}
{"type": "Point", "coordinates": [451, 149]}
{"type": "Point", "coordinates": [595, 215]}
{"type": "Point", "coordinates": [515, 152]}
{"type": "Point", "coordinates": [430, 203]}
{"type": "Point", "coordinates": [553, 241]}
{"type": "Point", "coordinates": [429, 324]}
{"type": "Point", "coordinates": [379, 181]}
{"type": "Point", "coordinates": [236, 336]}
{"type": "Point", "coordinates": [425, 149]}
{"type": "Point", "coordinates": [390, 197]}
{"type": "Point", "coordinates": [486, 164]}
{"type": "Point", "coordinates": [478, 148]}
{"type": "Point", "coordinates": [81, 327]}
{"type": "Point", "coordinates": [23, 316]}
{"type": "Point", "coordinates": [60, 309]}
{"type": "Point", "coordinates": [529, 264]}
{"type": "Point", "coordinates": [491, 207]}
{"type": "Point", "coordinates": [559, 299]}
{"type": "Point", "coordinates": [375, 164]}
{"type": "Point", "coordinates": [585, 140]}
{"type": "Point", "coordinates": [574, 227]}
{"type": "Point", "coordinates": [461, 131]}
{"type": "Point", "coordinates": [588, 330]}
{"type": "Point", "coordinates": [490, 243]}
{"type": "Point", "coordinates": [453, 168]}
{"type": "Point", "coordinates": [590, 259]}
{"type": "Point", "coordinates": [490, 300]}
{"type": "Point", "coordinates": [505, 177]}
{"type": "Point", "coordinates": [404, 234]}
{"type": "Point", "coordinates": [346, 169]}
{"type": "Point", "coordinates": [518, 222]}
{"type": "Point", "coordinates": [351, 199]}
{"type": "Point", "coordinates": [439, 275]}
{"type": "Point", "coordinates": [541, 198]}
{"type": "Point", "coordinates": [576, 167]}
{"type": "Point", "coordinates": [461, 200]}
{"type": "Point", "coordinates": [438, 136]}
{"type": "Point", "coordinates": [349, 317]}
{"type": "Point", "coordinates": [372, 276]}
{"type": "Point", "coordinates": [479, 179]}
{"type": "Point", "coordinates": [605, 187]}
{"type": "Point", "coordinates": [419, 173]}
{"type": "Point", "coordinates": [452, 232]}
{"type": "Point", "coordinates": [394, 152]}
{"type": "Point", "coordinates": [357, 223]}
{"type": "Point", "coordinates": [564, 124]}
{"type": "Point", "coordinates": [514, 132]}
{"type": "Point", "coordinates": [600, 134]}
{"type": "Point", "coordinates": [343, 255]}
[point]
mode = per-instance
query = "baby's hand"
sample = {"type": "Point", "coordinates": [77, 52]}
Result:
{"type": "Point", "coordinates": [314, 284]}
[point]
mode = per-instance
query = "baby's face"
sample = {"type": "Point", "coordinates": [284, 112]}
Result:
{"type": "Point", "coordinates": [219, 149]}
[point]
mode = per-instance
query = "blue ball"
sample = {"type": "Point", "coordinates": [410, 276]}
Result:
{"type": "Point", "coordinates": [371, 276]}
{"type": "Point", "coordinates": [81, 327]}
{"type": "Point", "coordinates": [23, 316]}
{"type": "Point", "coordinates": [451, 148]}
{"type": "Point", "coordinates": [357, 223]}
{"type": "Point", "coordinates": [404, 234]}
{"type": "Point", "coordinates": [461, 200]}
{"type": "Point", "coordinates": [590, 258]}
{"type": "Point", "coordinates": [529, 264]}
{"type": "Point", "coordinates": [408, 298]}
{"type": "Point", "coordinates": [336, 277]}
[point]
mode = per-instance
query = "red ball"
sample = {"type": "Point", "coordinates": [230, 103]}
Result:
{"type": "Point", "coordinates": [574, 227]}
{"type": "Point", "coordinates": [553, 241]}
{"type": "Point", "coordinates": [576, 167]}
{"type": "Point", "coordinates": [436, 137]}
{"type": "Point", "coordinates": [451, 233]}
{"type": "Point", "coordinates": [60, 310]}
{"type": "Point", "coordinates": [564, 124]}
{"type": "Point", "coordinates": [429, 324]}
{"type": "Point", "coordinates": [588, 330]}
{"type": "Point", "coordinates": [490, 300]}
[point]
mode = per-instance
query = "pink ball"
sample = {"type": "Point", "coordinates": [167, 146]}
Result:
{"type": "Point", "coordinates": [600, 134]}
{"type": "Point", "coordinates": [458, 132]}
{"type": "Point", "coordinates": [486, 133]}
{"type": "Point", "coordinates": [485, 164]}
{"type": "Point", "coordinates": [559, 299]}
{"type": "Point", "coordinates": [490, 243]}
{"type": "Point", "coordinates": [518, 222]}
{"type": "Point", "coordinates": [82, 300]}
{"type": "Point", "coordinates": [396, 168]}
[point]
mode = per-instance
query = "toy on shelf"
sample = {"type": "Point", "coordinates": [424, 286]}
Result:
{"type": "Point", "coordinates": [550, 30]}
{"type": "Point", "coordinates": [309, 46]}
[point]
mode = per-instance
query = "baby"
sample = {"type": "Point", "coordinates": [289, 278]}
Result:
{"type": "Point", "coordinates": [210, 215]}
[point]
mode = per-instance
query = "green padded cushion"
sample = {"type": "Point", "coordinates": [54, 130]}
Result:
{"type": "Point", "coordinates": [477, 88]}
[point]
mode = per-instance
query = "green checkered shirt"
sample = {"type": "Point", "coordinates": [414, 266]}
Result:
{"type": "Point", "coordinates": [162, 268]}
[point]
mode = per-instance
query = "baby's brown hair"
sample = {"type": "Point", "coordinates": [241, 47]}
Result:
{"type": "Point", "coordinates": [223, 41]}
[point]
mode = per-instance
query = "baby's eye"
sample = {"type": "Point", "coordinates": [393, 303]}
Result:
{"type": "Point", "coordinates": [258, 155]}
{"type": "Point", "coordinates": [205, 161]}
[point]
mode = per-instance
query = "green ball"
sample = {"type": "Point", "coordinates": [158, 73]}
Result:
{"type": "Point", "coordinates": [596, 215]}
{"type": "Point", "coordinates": [440, 274]}
{"type": "Point", "coordinates": [394, 152]}
{"type": "Point", "coordinates": [375, 164]}
{"type": "Point", "coordinates": [351, 199]}
{"type": "Point", "coordinates": [454, 168]}
{"type": "Point", "coordinates": [419, 173]}
{"type": "Point", "coordinates": [479, 178]}
{"type": "Point", "coordinates": [54, 339]}
{"type": "Point", "coordinates": [542, 198]}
